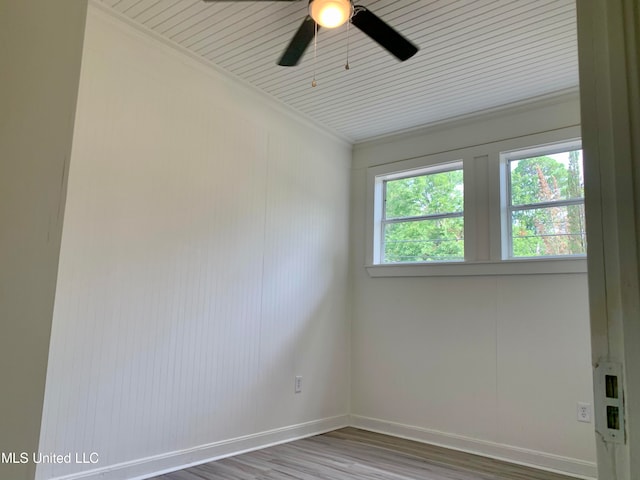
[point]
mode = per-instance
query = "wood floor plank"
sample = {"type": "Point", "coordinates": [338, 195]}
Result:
{"type": "Point", "coordinates": [353, 454]}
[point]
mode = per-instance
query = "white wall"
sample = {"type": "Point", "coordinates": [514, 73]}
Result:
{"type": "Point", "coordinates": [490, 364]}
{"type": "Point", "coordinates": [203, 264]}
{"type": "Point", "coordinates": [40, 54]}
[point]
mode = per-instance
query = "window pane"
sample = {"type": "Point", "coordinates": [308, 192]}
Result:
{"type": "Point", "coordinates": [436, 240]}
{"type": "Point", "coordinates": [425, 195]}
{"type": "Point", "coordinates": [548, 178]}
{"type": "Point", "coordinates": [549, 231]}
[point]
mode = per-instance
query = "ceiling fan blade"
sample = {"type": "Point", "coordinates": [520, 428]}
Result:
{"type": "Point", "coordinates": [382, 33]}
{"type": "Point", "coordinates": [299, 43]}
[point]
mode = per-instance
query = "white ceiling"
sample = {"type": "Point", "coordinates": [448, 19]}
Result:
{"type": "Point", "coordinates": [475, 55]}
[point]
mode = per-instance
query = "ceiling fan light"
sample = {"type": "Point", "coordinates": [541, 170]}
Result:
{"type": "Point", "coordinates": [330, 13]}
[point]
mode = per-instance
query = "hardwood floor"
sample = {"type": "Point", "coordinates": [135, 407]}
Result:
{"type": "Point", "coordinates": [353, 454]}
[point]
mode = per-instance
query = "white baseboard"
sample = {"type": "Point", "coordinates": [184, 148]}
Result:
{"type": "Point", "coordinates": [169, 462]}
{"type": "Point", "coordinates": [522, 456]}
{"type": "Point", "coordinates": [157, 465]}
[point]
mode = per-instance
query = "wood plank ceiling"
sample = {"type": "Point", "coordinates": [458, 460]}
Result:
{"type": "Point", "coordinates": [474, 55]}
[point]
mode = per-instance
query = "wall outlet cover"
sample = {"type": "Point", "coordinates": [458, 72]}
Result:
{"type": "Point", "coordinates": [584, 412]}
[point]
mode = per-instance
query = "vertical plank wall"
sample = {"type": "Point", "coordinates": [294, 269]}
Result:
{"type": "Point", "coordinates": [490, 364]}
{"type": "Point", "coordinates": [203, 266]}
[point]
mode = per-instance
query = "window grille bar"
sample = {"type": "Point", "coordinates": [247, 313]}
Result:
{"type": "Point", "coordinates": [550, 204]}
{"type": "Point", "coordinates": [436, 240]}
{"type": "Point", "coordinates": [435, 216]}
{"type": "Point", "coordinates": [580, 234]}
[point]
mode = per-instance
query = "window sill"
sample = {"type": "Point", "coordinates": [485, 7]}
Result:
{"type": "Point", "coordinates": [464, 269]}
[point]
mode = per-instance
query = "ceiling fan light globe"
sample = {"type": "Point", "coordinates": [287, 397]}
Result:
{"type": "Point", "coordinates": [330, 13]}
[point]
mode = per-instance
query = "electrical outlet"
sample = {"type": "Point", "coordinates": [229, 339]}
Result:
{"type": "Point", "coordinates": [609, 402]}
{"type": "Point", "coordinates": [298, 384]}
{"type": "Point", "coordinates": [584, 412]}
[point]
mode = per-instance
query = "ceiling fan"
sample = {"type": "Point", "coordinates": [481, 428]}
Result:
{"type": "Point", "coordinates": [333, 13]}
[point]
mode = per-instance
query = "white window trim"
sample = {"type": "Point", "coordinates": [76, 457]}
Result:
{"type": "Point", "coordinates": [379, 189]}
{"type": "Point", "coordinates": [507, 208]}
{"type": "Point", "coordinates": [485, 208]}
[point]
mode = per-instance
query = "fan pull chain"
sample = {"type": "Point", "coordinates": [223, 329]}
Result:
{"type": "Point", "coordinates": [346, 65]}
{"type": "Point", "coordinates": [315, 49]}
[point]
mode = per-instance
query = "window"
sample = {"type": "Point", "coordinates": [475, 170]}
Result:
{"type": "Point", "coordinates": [545, 208]}
{"type": "Point", "coordinates": [509, 207]}
{"type": "Point", "coordinates": [422, 217]}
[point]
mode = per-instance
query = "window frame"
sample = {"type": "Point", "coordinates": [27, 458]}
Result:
{"type": "Point", "coordinates": [379, 237]}
{"type": "Point", "coordinates": [506, 222]}
{"type": "Point", "coordinates": [484, 210]}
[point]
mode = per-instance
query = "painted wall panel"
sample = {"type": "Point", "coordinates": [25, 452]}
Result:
{"type": "Point", "coordinates": [203, 262]}
{"type": "Point", "coordinates": [413, 359]}
{"type": "Point", "coordinates": [543, 364]}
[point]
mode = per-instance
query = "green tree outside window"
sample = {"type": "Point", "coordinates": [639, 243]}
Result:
{"type": "Point", "coordinates": [425, 215]}
{"type": "Point", "coordinates": [547, 206]}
